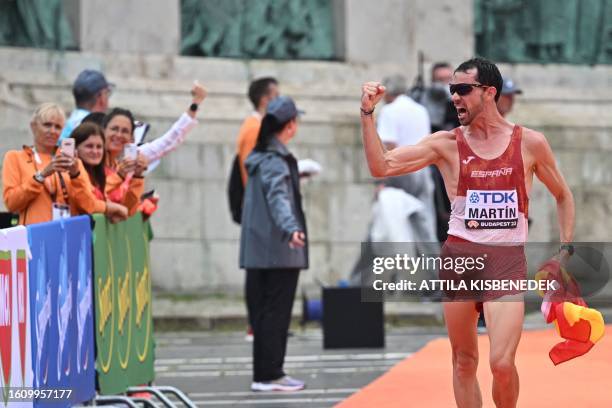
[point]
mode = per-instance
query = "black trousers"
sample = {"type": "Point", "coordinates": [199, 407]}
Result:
{"type": "Point", "coordinates": [270, 294]}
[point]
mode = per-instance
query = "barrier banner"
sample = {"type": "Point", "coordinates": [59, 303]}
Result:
{"type": "Point", "coordinates": [15, 342]}
{"type": "Point", "coordinates": [122, 289]}
{"type": "Point", "coordinates": [62, 313]}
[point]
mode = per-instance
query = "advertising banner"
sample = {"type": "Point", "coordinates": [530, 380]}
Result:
{"type": "Point", "coordinates": [62, 313]}
{"type": "Point", "coordinates": [122, 289]}
{"type": "Point", "coordinates": [15, 342]}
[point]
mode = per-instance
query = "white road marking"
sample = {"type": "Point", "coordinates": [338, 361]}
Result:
{"type": "Point", "coordinates": [269, 401]}
{"type": "Point", "coordinates": [319, 357]}
{"type": "Point", "coordinates": [226, 373]}
{"type": "Point", "coordinates": [251, 393]}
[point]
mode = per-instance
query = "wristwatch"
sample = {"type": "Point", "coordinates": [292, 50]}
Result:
{"type": "Point", "coordinates": [568, 247]}
{"type": "Point", "coordinates": [39, 177]}
{"type": "Point", "coordinates": [193, 107]}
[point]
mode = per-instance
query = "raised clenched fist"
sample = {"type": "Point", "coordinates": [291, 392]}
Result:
{"type": "Point", "coordinates": [198, 92]}
{"type": "Point", "coordinates": [371, 94]}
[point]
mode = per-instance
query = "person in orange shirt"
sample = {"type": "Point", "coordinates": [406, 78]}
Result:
{"type": "Point", "coordinates": [124, 176]}
{"type": "Point", "coordinates": [89, 142]}
{"type": "Point", "coordinates": [41, 183]}
{"type": "Point", "coordinates": [261, 92]}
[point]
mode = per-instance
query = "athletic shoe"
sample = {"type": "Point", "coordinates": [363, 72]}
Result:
{"type": "Point", "coordinates": [285, 383]}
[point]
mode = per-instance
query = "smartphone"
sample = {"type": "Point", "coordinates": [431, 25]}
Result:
{"type": "Point", "coordinates": [140, 131]}
{"type": "Point", "coordinates": [148, 194]}
{"type": "Point", "coordinates": [68, 146]}
{"type": "Point", "coordinates": [130, 151]}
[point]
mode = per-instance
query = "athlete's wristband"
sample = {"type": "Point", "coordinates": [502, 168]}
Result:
{"type": "Point", "coordinates": [365, 112]}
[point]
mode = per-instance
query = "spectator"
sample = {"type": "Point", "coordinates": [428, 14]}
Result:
{"type": "Point", "coordinates": [506, 100]}
{"type": "Point", "coordinates": [441, 73]}
{"type": "Point", "coordinates": [89, 142]}
{"type": "Point", "coordinates": [41, 183]}
{"type": "Point", "coordinates": [443, 115]}
{"type": "Point", "coordinates": [273, 245]}
{"type": "Point", "coordinates": [95, 117]}
{"type": "Point", "coordinates": [404, 122]}
{"type": "Point", "coordinates": [124, 177]}
{"type": "Point", "coordinates": [157, 148]}
{"type": "Point", "coordinates": [261, 92]}
{"type": "Point", "coordinates": [91, 92]}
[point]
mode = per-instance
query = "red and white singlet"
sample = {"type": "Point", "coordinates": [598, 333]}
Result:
{"type": "Point", "coordinates": [491, 205]}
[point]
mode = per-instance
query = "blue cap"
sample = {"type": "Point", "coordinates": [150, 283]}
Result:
{"type": "Point", "coordinates": [90, 82]}
{"type": "Point", "coordinates": [510, 87]}
{"type": "Point", "coordinates": [283, 109]}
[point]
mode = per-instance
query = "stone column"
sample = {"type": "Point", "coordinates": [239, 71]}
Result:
{"type": "Point", "coordinates": [138, 26]}
{"type": "Point", "coordinates": [394, 31]}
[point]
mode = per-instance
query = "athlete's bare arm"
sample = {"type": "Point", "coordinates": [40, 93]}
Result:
{"type": "Point", "coordinates": [402, 160]}
{"type": "Point", "coordinates": [545, 168]}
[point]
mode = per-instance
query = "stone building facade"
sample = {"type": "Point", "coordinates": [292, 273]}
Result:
{"type": "Point", "coordinates": [137, 45]}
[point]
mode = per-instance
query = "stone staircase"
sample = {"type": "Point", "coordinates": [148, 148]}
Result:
{"type": "Point", "coordinates": [196, 245]}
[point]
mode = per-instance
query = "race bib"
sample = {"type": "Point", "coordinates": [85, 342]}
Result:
{"type": "Point", "coordinates": [60, 211]}
{"type": "Point", "coordinates": [491, 209]}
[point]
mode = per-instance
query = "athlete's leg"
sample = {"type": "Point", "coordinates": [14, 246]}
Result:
{"type": "Point", "coordinates": [504, 325]}
{"type": "Point", "coordinates": [460, 318]}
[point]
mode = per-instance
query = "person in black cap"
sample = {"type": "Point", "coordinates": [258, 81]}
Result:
{"type": "Point", "coordinates": [273, 245]}
{"type": "Point", "coordinates": [91, 92]}
{"type": "Point", "coordinates": [506, 100]}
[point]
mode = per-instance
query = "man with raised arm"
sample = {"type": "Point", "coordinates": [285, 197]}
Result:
{"type": "Point", "coordinates": [484, 157]}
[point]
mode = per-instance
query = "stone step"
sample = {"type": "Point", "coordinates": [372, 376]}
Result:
{"type": "Point", "coordinates": [169, 105]}
{"type": "Point", "coordinates": [43, 65]}
{"type": "Point", "coordinates": [214, 131]}
{"type": "Point", "coordinates": [167, 101]}
{"type": "Point", "coordinates": [40, 66]}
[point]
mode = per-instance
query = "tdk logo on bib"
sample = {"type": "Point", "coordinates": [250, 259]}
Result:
{"type": "Point", "coordinates": [491, 209]}
{"type": "Point", "coordinates": [495, 197]}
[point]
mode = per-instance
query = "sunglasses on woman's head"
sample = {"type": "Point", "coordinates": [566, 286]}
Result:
{"type": "Point", "coordinates": [464, 89]}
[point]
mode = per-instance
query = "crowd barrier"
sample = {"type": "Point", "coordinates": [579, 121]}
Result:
{"type": "Point", "coordinates": [15, 329]}
{"type": "Point", "coordinates": [60, 312]}
{"type": "Point", "coordinates": [122, 293]}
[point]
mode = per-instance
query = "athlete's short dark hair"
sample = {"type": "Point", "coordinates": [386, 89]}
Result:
{"type": "Point", "coordinates": [487, 73]}
{"type": "Point", "coordinates": [259, 88]}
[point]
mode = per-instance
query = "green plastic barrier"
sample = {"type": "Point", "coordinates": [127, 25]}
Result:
{"type": "Point", "coordinates": [122, 298]}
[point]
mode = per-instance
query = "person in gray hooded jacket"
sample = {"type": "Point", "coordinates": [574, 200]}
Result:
{"type": "Point", "coordinates": [273, 245]}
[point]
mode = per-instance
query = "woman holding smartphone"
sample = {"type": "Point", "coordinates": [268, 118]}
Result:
{"type": "Point", "coordinates": [126, 163]}
{"type": "Point", "coordinates": [273, 246]}
{"type": "Point", "coordinates": [43, 183]}
{"type": "Point", "coordinates": [124, 166]}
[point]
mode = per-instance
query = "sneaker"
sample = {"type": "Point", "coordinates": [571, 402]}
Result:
{"type": "Point", "coordinates": [285, 383]}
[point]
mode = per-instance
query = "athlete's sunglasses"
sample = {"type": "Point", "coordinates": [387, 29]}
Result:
{"type": "Point", "coordinates": [464, 89]}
